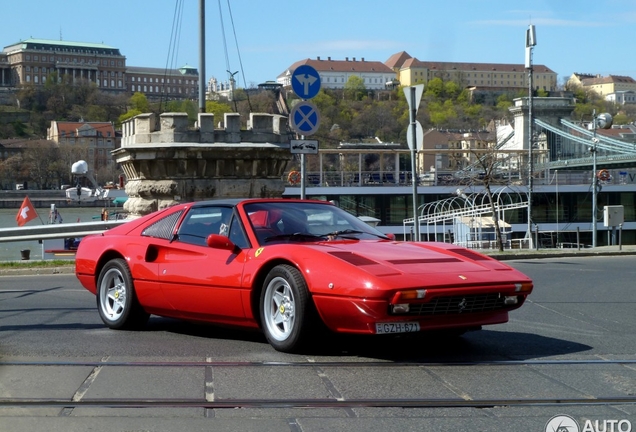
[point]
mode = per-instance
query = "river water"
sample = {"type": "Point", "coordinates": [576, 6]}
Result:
{"type": "Point", "coordinates": [10, 251]}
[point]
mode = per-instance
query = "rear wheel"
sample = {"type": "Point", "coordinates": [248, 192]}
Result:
{"type": "Point", "coordinates": [285, 308]}
{"type": "Point", "coordinates": [116, 300]}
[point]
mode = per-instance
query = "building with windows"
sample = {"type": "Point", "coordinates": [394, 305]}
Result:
{"type": "Point", "coordinates": [402, 69]}
{"type": "Point", "coordinates": [614, 88]}
{"type": "Point", "coordinates": [480, 76]}
{"type": "Point", "coordinates": [334, 74]}
{"type": "Point", "coordinates": [99, 139]}
{"type": "Point", "coordinates": [182, 83]}
{"type": "Point", "coordinates": [33, 60]}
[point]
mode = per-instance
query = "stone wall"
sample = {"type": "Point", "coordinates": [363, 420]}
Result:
{"type": "Point", "coordinates": [167, 162]}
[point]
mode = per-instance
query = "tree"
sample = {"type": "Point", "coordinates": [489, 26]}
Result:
{"type": "Point", "coordinates": [354, 88]}
{"type": "Point", "coordinates": [10, 168]}
{"type": "Point", "coordinates": [219, 109]}
{"type": "Point", "coordinates": [139, 102]}
{"type": "Point", "coordinates": [38, 157]}
{"type": "Point", "coordinates": [434, 88]}
{"type": "Point", "coordinates": [487, 174]}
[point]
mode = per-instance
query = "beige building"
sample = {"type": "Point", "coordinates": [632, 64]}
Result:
{"type": "Point", "coordinates": [99, 139]}
{"type": "Point", "coordinates": [155, 83]}
{"type": "Point", "coordinates": [482, 76]}
{"type": "Point", "coordinates": [31, 61]}
{"type": "Point", "coordinates": [614, 88]}
{"type": "Point", "coordinates": [457, 149]}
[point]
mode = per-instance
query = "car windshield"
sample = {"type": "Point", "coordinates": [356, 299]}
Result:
{"type": "Point", "coordinates": [306, 222]}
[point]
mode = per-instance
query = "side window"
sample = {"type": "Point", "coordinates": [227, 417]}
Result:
{"type": "Point", "coordinates": [163, 228]}
{"type": "Point", "coordinates": [237, 234]}
{"type": "Point", "coordinates": [200, 222]}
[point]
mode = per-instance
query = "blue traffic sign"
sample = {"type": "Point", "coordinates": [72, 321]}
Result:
{"type": "Point", "coordinates": [304, 118]}
{"type": "Point", "coordinates": [305, 82]}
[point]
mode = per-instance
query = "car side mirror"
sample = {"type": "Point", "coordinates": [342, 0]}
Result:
{"type": "Point", "coordinates": [391, 236]}
{"type": "Point", "coordinates": [218, 241]}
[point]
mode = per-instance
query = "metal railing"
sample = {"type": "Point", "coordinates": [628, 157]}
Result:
{"type": "Point", "coordinates": [56, 231]}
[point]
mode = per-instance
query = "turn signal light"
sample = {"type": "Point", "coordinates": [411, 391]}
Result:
{"type": "Point", "coordinates": [405, 296]}
{"type": "Point", "coordinates": [523, 287]}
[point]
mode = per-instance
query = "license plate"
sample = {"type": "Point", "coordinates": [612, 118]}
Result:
{"type": "Point", "coordinates": [397, 327]}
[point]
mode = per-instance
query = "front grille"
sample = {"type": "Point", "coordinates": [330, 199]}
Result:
{"type": "Point", "coordinates": [459, 305]}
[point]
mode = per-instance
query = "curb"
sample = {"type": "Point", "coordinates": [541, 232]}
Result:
{"type": "Point", "coordinates": [501, 256]}
{"type": "Point", "coordinates": [37, 271]}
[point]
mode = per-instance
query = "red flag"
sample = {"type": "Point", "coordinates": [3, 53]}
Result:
{"type": "Point", "coordinates": [26, 213]}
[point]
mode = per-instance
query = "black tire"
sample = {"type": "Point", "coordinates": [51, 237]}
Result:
{"type": "Point", "coordinates": [285, 308]}
{"type": "Point", "coordinates": [116, 299]}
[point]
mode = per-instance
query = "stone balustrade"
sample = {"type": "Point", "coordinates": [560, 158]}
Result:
{"type": "Point", "coordinates": [166, 162]}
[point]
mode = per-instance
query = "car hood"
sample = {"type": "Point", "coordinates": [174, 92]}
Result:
{"type": "Point", "coordinates": [385, 258]}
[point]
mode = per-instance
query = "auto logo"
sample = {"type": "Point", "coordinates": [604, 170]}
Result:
{"type": "Point", "coordinates": [462, 277]}
{"type": "Point", "coordinates": [281, 309]}
{"type": "Point", "coordinates": [462, 305]}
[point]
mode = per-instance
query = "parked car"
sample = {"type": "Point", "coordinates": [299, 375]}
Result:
{"type": "Point", "coordinates": [290, 268]}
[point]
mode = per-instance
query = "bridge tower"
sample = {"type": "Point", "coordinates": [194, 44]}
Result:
{"type": "Point", "coordinates": [549, 109]}
{"type": "Point", "coordinates": [166, 161]}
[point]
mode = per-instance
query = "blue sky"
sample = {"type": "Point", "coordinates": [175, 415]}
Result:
{"type": "Point", "coordinates": [572, 36]}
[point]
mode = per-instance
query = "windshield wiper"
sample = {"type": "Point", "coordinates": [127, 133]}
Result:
{"type": "Point", "coordinates": [343, 233]}
{"type": "Point", "coordinates": [296, 235]}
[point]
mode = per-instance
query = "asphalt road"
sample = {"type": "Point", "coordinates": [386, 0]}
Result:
{"type": "Point", "coordinates": [571, 349]}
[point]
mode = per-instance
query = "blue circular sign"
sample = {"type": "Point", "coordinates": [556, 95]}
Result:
{"type": "Point", "coordinates": [304, 118]}
{"type": "Point", "coordinates": [305, 82]}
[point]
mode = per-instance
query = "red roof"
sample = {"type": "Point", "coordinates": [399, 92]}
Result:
{"type": "Point", "coordinates": [347, 65]}
{"type": "Point", "coordinates": [69, 129]}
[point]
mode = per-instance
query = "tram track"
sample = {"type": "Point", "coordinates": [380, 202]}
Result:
{"type": "Point", "coordinates": [310, 363]}
{"type": "Point", "coordinates": [314, 403]}
{"type": "Point", "coordinates": [335, 401]}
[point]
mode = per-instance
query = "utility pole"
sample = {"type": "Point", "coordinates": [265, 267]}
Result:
{"type": "Point", "coordinates": [202, 56]}
{"type": "Point", "coordinates": [414, 135]}
{"type": "Point", "coordinates": [604, 121]}
{"type": "Point", "coordinates": [594, 180]}
{"type": "Point", "coordinates": [531, 41]}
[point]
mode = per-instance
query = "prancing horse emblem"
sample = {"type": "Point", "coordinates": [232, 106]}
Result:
{"type": "Point", "coordinates": [462, 305]}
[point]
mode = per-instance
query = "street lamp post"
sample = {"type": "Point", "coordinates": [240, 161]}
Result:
{"type": "Point", "coordinates": [594, 180]}
{"type": "Point", "coordinates": [604, 121]}
{"type": "Point", "coordinates": [531, 41]}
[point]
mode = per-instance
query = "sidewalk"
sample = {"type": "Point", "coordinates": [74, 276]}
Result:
{"type": "Point", "coordinates": [511, 254]}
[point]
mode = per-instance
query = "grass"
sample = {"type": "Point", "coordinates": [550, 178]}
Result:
{"type": "Point", "coordinates": [35, 264]}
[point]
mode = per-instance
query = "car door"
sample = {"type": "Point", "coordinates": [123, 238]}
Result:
{"type": "Point", "coordinates": [201, 282]}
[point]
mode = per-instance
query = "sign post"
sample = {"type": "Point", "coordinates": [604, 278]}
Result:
{"type": "Point", "coordinates": [305, 118]}
{"type": "Point", "coordinates": [413, 96]}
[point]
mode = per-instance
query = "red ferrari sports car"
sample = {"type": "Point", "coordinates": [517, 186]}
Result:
{"type": "Point", "coordinates": [286, 266]}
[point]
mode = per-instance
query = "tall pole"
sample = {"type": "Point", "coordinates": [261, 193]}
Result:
{"type": "Point", "coordinates": [530, 43]}
{"type": "Point", "coordinates": [303, 168]}
{"type": "Point", "coordinates": [530, 159]}
{"type": "Point", "coordinates": [202, 56]}
{"type": "Point", "coordinates": [413, 115]}
{"type": "Point", "coordinates": [594, 180]}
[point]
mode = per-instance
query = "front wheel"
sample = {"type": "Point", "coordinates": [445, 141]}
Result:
{"type": "Point", "coordinates": [285, 308]}
{"type": "Point", "coordinates": [116, 300]}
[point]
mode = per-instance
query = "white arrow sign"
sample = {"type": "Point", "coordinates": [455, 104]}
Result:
{"type": "Point", "coordinates": [419, 89]}
{"type": "Point", "coordinates": [419, 138]}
